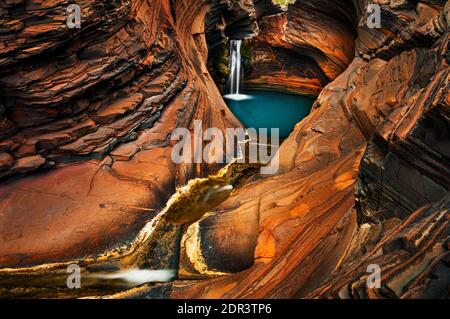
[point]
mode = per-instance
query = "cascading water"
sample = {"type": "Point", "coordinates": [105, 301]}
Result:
{"type": "Point", "coordinates": [235, 63]}
{"type": "Point", "coordinates": [235, 66]}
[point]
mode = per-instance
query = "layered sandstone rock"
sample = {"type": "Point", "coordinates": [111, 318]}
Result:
{"type": "Point", "coordinates": [104, 99]}
{"type": "Point", "coordinates": [87, 115]}
{"type": "Point", "coordinates": [319, 42]}
{"type": "Point", "coordinates": [403, 113]}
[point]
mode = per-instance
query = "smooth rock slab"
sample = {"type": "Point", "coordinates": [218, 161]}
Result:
{"type": "Point", "coordinates": [68, 213]}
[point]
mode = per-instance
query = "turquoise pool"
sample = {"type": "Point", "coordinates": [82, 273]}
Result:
{"type": "Point", "coordinates": [269, 109]}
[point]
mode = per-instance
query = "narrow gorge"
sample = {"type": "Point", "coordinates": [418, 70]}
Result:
{"type": "Point", "coordinates": [87, 175]}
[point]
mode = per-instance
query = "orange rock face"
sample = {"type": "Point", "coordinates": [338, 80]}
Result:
{"type": "Point", "coordinates": [85, 153]}
{"type": "Point", "coordinates": [105, 106]}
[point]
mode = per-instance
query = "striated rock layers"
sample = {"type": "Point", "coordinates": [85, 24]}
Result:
{"type": "Point", "coordinates": [85, 123]}
{"type": "Point", "coordinates": [304, 48]}
{"type": "Point", "coordinates": [93, 110]}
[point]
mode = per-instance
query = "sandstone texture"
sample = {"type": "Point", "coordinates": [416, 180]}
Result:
{"type": "Point", "coordinates": [85, 153]}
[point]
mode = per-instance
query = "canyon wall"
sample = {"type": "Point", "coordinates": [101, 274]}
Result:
{"type": "Point", "coordinates": [86, 116]}
{"type": "Point", "coordinates": [303, 49]}
{"type": "Point", "coordinates": [364, 179]}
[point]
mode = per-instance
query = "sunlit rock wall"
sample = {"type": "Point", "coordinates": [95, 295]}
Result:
{"type": "Point", "coordinates": [86, 115]}
{"type": "Point", "coordinates": [103, 98]}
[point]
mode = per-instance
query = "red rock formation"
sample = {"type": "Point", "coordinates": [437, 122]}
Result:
{"type": "Point", "coordinates": [364, 179]}
{"type": "Point", "coordinates": [303, 49]}
{"type": "Point", "coordinates": [103, 99]}
{"type": "Point", "coordinates": [294, 254]}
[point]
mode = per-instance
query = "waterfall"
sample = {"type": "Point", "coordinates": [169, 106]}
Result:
{"type": "Point", "coordinates": [235, 66]}
{"type": "Point", "coordinates": [236, 72]}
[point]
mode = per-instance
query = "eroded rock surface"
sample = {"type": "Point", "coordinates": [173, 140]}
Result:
{"type": "Point", "coordinates": [87, 114]}
{"type": "Point", "coordinates": [90, 108]}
